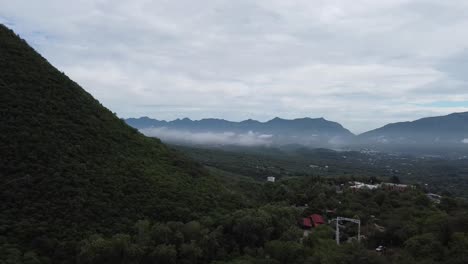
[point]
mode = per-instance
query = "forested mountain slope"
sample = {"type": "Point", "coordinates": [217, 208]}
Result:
{"type": "Point", "coordinates": [69, 167]}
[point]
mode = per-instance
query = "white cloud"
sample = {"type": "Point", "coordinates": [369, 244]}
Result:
{"type": "Point", "coordinates": [209, 138]}
{"type": "Point", "coordinates": [362, 63]}
{"type": "Point", "coordinates": [465, 141]}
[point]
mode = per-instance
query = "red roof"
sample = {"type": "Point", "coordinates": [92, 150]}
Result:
{"type": "Point", "coordinates": [317, 219]}
{"type": "Point", "coordinates": [306, 222]}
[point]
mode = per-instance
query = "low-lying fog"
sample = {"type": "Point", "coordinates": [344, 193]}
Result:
{"type": "Point", "coordinates": [209, 138]}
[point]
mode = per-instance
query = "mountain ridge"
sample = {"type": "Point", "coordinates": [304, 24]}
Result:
{"type": "Point", "coordinates": [318, 131]}
{"type": "Point", "coordinates": [146, 122]}
{"type": "Point", "coordinates": [451, 128]}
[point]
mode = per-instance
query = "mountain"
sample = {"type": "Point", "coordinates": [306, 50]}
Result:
{"type": "Point", "coordinates": [431, 131]}
{"type": "Point", "coordinates": [69, 167]}
{"type": "Point", "coordinates": [433, 135]}
{"type": "Point", "coordinates": [316, 132]}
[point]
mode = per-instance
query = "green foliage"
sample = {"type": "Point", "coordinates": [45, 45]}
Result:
{"type": "Point", "coordinates": [424, 246]}
{"type": "Point", "coordinates": [440, 175]}
{"type": "Point", "coordinates": [118, 249]}
{"type": "Point", "coordinates": [164, 254]}
{"type": "Point", "coordinates": [285, 251]}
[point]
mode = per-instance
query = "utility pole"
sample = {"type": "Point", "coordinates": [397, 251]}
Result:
{"type": "Point", "coordinates": [337, 232]}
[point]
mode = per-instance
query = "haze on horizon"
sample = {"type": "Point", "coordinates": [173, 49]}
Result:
{"type": "Point", "coordinates": [361, 63]}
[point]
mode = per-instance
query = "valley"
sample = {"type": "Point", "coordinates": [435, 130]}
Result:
{"type": "Point", "coordinates": [434, 174]}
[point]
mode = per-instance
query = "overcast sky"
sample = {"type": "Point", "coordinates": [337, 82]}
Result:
{"type": "Point", "coordinates": [362, 63]}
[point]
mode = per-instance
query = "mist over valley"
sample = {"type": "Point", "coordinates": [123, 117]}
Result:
{"type": "Point", "coordinates": [443, 135]}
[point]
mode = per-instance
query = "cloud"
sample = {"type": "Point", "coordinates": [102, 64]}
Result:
{"type": "Point", "coordinates": [465, 141]}
{"type": "Point", "coordinates": [209, 138]}
{"type": "Point", "coordinates": [362, 63]}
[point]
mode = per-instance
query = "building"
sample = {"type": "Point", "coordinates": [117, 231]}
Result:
{"type": "Point", "coordinates": [317, 220]}
{"type": "Point", "coordinates": [384, 185]}
{"type": "Point", "coordinates": [313, 220]}
{"type": "Point", "coordinates": [306, 223]}
{"type": "Point", "coordinates": [271, 179]}
{"type": "Point", "coordinates": [395, 186]}
{"type": "Point", "coordinates": [359, 185]}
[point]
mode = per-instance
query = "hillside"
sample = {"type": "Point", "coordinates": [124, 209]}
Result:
{"type": "Point", "coordinates": [70, 167]}
{"type": "Point", "coordinates": [449, 129]}
{"type": "Point", "coordinates": [316, 132]}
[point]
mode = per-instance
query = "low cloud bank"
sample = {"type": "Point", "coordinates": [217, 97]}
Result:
{"type": "Point", "coordinates": [209, 138]}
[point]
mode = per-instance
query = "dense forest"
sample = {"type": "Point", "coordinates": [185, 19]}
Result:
{"type": "Point", "coordinates": [411, 227]}
{"type": "Point", "coordinates": [77, 185]}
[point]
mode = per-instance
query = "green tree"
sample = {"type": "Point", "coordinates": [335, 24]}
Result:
{"type": "Point", "coordinates": [164, 254]}
{"type": "Point", "coordinates": [143, 228]}
{"type": "Point", "coordinates": [190, 253]}
{"type": "Point", "coordinates": [285, 251]}
{"type": "Point", "coordinates": [161, 234]}
{"type": "Point", "coordinates": [191, 230]}
{"type": "Point", "coordinates": [424, 246]}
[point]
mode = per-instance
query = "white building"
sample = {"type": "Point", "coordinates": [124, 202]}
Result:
{"type": "Point", "coordinates": [385, 185]}
{"type": "Point", "coordinates": [271, 179]}
{"type": "Point", "coordinates": [360, 185]}
{"type": "Point", "coordinates": [395, 186]}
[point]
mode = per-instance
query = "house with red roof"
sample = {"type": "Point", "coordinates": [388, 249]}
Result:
{"type": "Point", "coordinates": [306, 223]}
{"type": "Point", "coordinates": [317, 220]}
{"type": "Point", "coordinates": [313, 220]}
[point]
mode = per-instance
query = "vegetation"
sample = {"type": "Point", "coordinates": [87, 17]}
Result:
{"type": "Point", "coordinates": [436, 174]}
{"type": "Point", "coordinates": [413, 229]}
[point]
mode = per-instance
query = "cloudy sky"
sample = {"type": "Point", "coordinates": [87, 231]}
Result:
{"type": "Point", "coordinates": [362, 63]}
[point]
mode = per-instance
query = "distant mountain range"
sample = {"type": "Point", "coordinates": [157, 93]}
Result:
{"type": "Point", "coordinates": [317, 132]}
{"type": "Point", "coordinates": [304, 131]}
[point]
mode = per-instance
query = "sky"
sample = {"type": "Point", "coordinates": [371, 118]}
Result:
{"type": "Point", "coordinates": [362, 63]}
